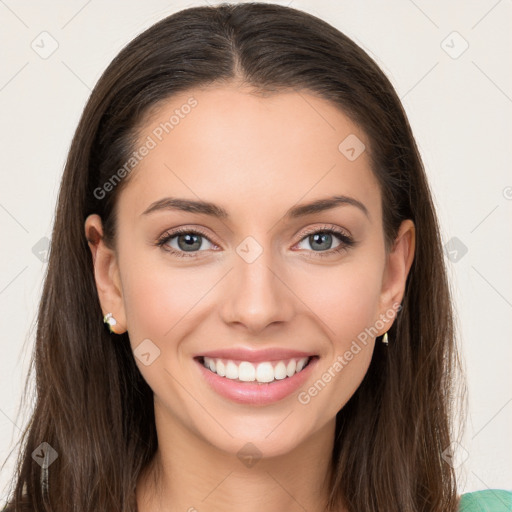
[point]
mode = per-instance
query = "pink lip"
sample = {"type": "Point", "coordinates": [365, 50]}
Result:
{"type": "Point", "coordinates": [254, 393]}
{"type": "Point", "coordinates": [255, 356]}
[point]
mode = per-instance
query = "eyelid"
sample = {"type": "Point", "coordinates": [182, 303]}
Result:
{"type": "Point", "coordinates": [325, 227]}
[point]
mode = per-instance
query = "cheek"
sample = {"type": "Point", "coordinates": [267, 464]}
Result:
{"type": "Point", "coordinates": [157, 298]}
{"type": "Point", "coordinates": [344, 299]}
{"type": "Point", "coordinates": [345, 303]}
{"type": "Point", "coordinates": [348, 307]}
{"type": "Point", "coordinates": [338, 380]}
{"type": "Point", "coordinates": [162, 305]}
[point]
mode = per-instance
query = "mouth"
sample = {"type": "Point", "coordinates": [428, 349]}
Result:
{"type": "Point", "coordinates": [262, 372]}
{"type": "Point", "coordinates": [256, 377]}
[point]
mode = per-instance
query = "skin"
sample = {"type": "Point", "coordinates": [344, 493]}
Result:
{"type": "Point", "coordinates": [256, 157]}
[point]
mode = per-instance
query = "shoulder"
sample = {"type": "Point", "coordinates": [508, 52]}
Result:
{"type": "Point", "coordinates": [487, 500]}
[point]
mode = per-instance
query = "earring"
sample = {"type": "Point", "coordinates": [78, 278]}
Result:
{"type": "Point", "coordinates": [110, 321]}
{"type": "Point", "coordinates": [385, 338]}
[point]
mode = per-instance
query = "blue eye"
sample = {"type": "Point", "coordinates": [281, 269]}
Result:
{"type": "Point", "coordinates": [319, 237]}
{"type": "Point", "coordinates": [190, 241]}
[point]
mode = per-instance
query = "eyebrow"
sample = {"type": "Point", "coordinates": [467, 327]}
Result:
{"type": "Point", "coordinates": [207, 208]}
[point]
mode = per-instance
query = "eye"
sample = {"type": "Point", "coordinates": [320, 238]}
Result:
{"type": "Point", "coordinates": [187, 241]}
{"type": "Point", "coordinates": [322, 238]}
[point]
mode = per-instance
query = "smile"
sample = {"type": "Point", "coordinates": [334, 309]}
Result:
{"type": "Point", "coordinates": [271, 376]}
{"type": "Point", "coordinates": [262, 372]}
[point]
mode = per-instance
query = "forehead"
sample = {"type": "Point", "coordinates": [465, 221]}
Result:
{"type": "Point", "coordinates": [234, 148]}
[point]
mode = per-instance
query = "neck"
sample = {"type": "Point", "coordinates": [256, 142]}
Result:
{"type": "Point", "coordinates": [189, 474]}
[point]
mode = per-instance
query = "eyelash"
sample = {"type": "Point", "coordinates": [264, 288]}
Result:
{"type": "Point", "coordinates": [345, 241]}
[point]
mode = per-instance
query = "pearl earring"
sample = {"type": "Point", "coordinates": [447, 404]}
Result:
{"type": "Point", "coordinates": [110, 321]}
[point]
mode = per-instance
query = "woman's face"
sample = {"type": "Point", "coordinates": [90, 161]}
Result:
{"type": "Point", "coordinates": [251, 280]}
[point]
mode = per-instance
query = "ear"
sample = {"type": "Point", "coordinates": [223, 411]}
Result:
{"type": "Point", "coordinates": [398, 264]}
{"type": "Point", "coordinates": [106, 273]}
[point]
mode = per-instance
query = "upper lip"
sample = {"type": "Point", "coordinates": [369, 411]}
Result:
{"type": "Point", "coordinates": [255, 356]}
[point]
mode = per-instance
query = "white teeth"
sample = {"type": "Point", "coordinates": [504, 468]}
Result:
{"type": "Point", "coordinates": [259, 372]}
{"type": "Point", "coordinates": [231, 370]}
{"type": "Point", "coordinates": [221, 369]}
{"type": "Point", "coordinates": [246, 372]}
{"type": "Point", "coordinates": [290, 369]}
{"type": "Point", "coordinates": [264, 373]}
{"type": "Point", "coordinates": [280, 371]}
{"type": "Point", "coordinates": [301, 364]}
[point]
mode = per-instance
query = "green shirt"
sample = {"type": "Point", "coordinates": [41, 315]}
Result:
{"type": "Point", "coordinates": [488, 500]}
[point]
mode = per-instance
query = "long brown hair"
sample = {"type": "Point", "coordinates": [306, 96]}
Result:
{"type": "Point", "coordinates": [92, 405]}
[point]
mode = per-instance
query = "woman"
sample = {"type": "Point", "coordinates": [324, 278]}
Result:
{"type": "Point", "coordinates": [197, 347]}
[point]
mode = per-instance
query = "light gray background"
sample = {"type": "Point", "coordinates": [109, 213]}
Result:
{"type": "Point", "coordinates": [459, 107]}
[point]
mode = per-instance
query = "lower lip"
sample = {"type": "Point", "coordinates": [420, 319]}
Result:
{"type": "Point", "coordinates": [254, 393]}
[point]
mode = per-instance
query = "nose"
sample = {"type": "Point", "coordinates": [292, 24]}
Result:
{"type": "Point", "coordinates": [257, 295]}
